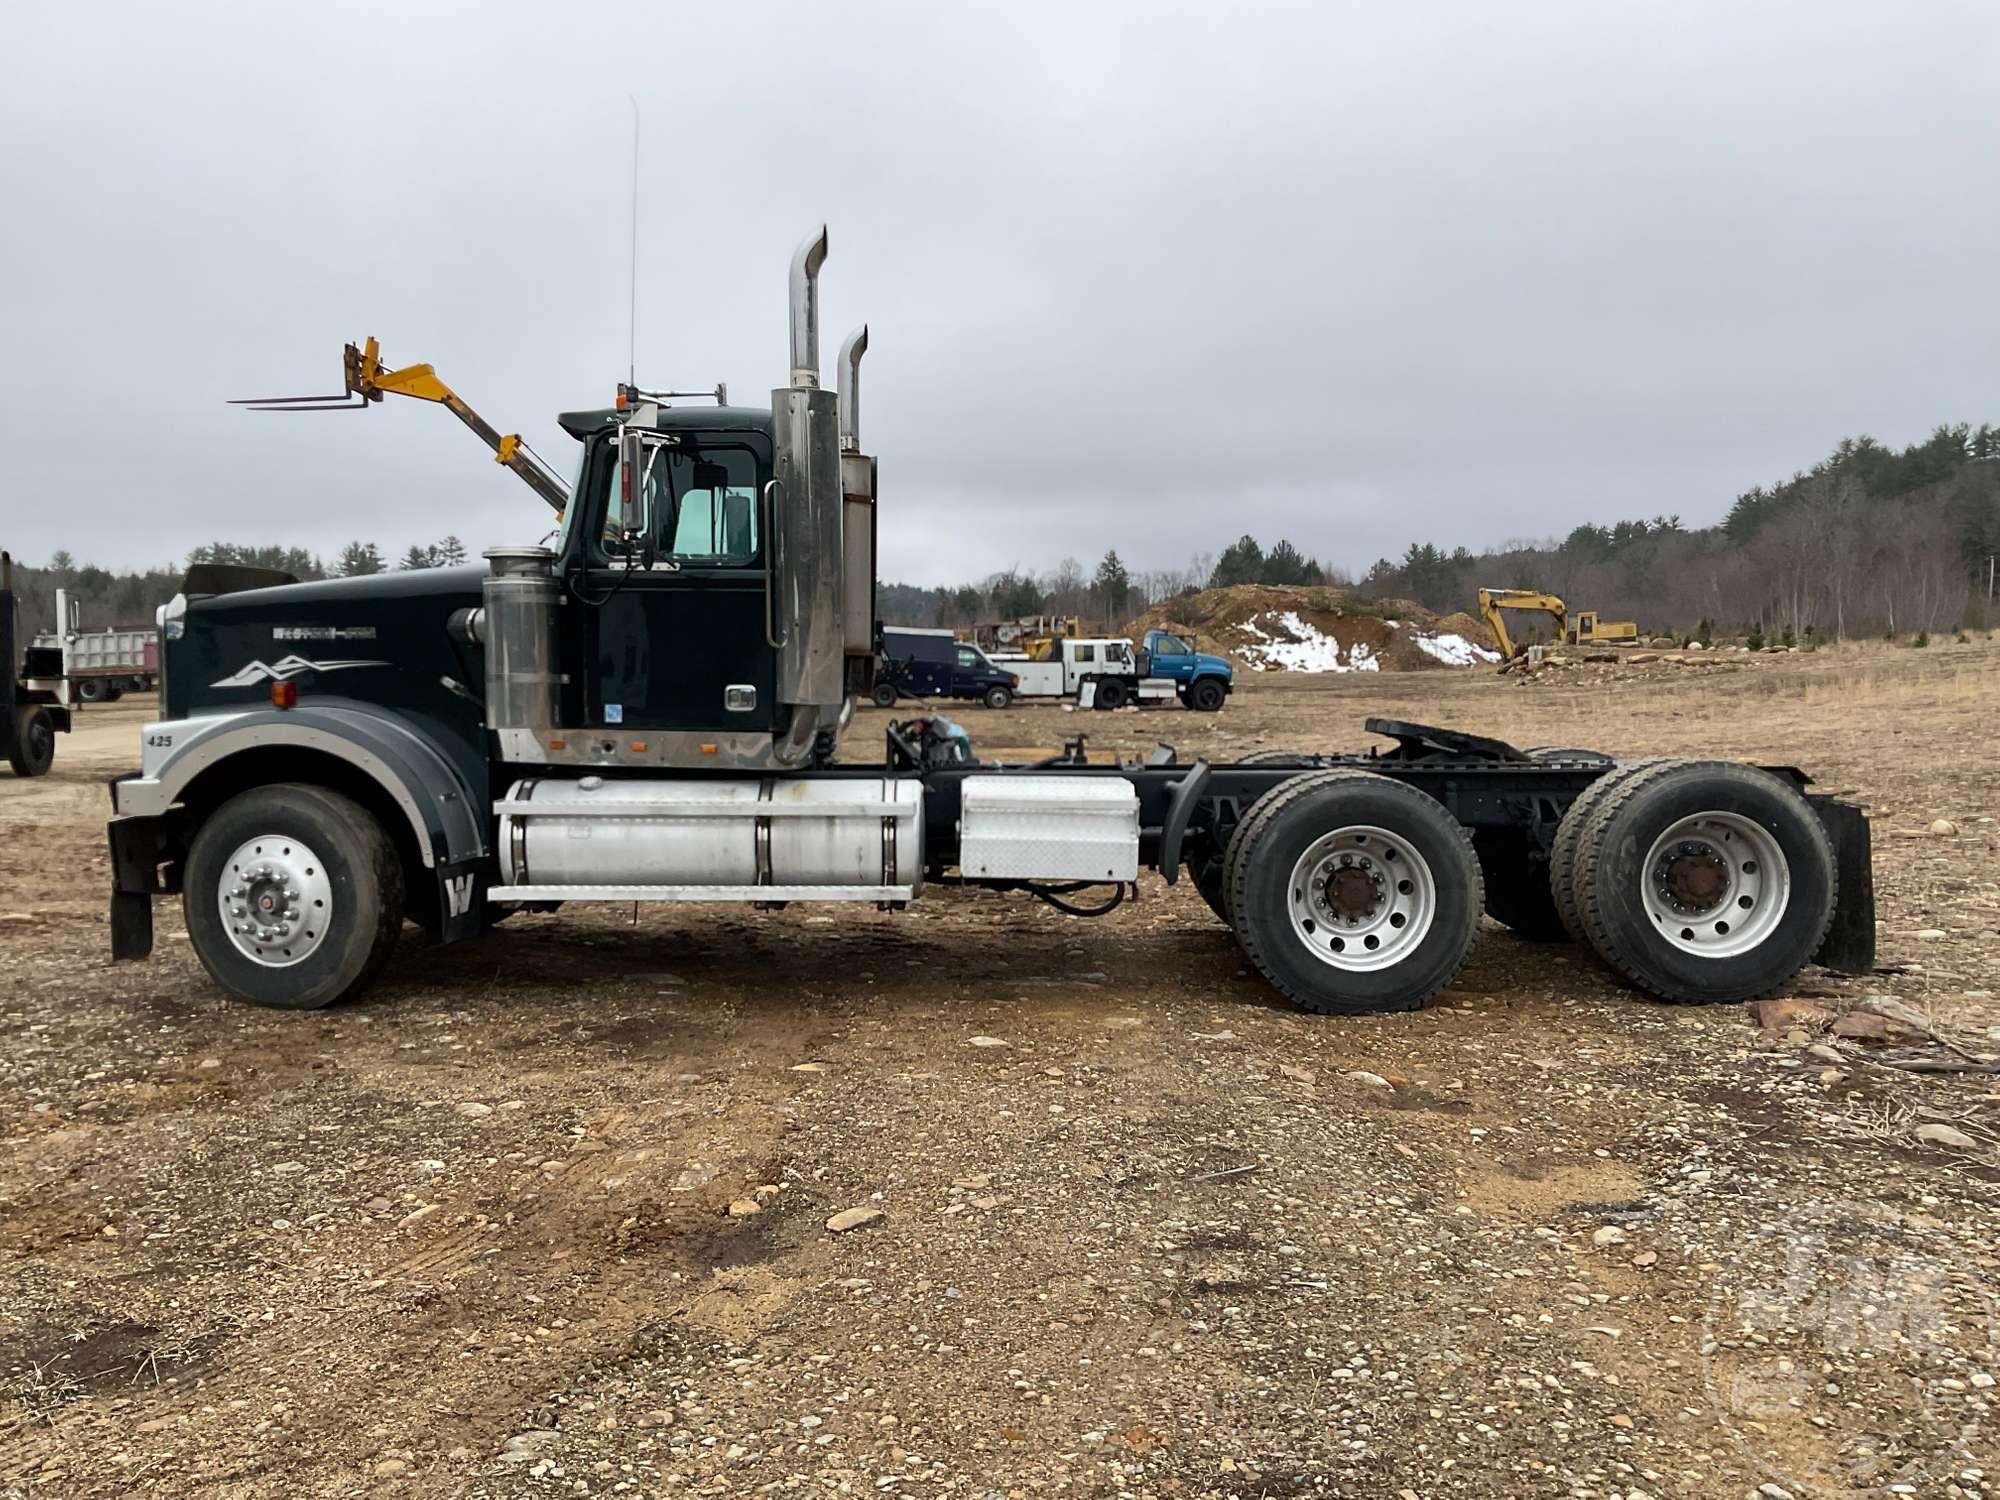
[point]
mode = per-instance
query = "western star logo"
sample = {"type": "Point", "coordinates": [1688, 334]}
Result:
{"type": "Point", "coordinates": [323, 633]}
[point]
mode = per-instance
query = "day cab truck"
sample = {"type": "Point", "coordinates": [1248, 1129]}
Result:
{"type": "Point", "coordinates": [651, 709]}
{"type": "Point", "coordinates": [34, 697]}
{"type": "Point", "coordinates": [919, 663]}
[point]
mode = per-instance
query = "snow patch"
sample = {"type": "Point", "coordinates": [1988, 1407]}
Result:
{"type": "Point", "coordinates": [1301, 647]}
{"type": "Point", "coordinates": [1455, 650]}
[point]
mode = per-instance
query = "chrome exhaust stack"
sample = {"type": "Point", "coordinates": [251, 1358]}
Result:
{"type": "Point", "coordinates": [848, 383]}
{"type": "Point", "coordinates": [857, 503]}
{"type": "Point", "coordinates": [805, 624]}
{"type": "Point", "coordinates": [805, 311]}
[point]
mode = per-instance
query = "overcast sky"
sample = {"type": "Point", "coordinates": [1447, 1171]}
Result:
{"type": "Point", "coordinates": [1148, 277]}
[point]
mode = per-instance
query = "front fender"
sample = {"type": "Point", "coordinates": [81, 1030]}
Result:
{"type": "Point", "coordinates": [445, 816]}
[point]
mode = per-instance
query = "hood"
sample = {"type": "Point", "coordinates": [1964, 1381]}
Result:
{"type": "Point", "coordinates": [1204, 662]}
{"type": "Point", "coordinates": [410, 583]}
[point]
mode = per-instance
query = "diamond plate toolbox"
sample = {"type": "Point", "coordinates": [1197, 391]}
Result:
{"type": "Point", "coordinates": [1049, 828]}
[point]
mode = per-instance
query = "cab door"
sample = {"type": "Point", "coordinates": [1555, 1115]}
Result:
{"type": "Point", "coordinates": [674, 591]}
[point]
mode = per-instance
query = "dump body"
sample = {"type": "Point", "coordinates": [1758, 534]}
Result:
{"type": "Point", "coordinates": [109, 653]}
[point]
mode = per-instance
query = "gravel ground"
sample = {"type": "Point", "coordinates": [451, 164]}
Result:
{"type": "Point", "coordinates": [548, 1213]}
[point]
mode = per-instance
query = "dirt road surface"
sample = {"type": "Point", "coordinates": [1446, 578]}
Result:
{"type": "Point", "coordinates": [546, 1214]}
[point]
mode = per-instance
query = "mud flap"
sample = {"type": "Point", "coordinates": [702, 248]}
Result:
{"type": "Point", "coordinates": [461, 898]}
{"type": "Point", "coordinates": [1850, 941]}
{"type": "Point", "coordinates": [135, 856]}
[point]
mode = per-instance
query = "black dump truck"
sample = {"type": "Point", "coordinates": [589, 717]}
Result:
{"type": "Point", "coordinates": [34, 707]}
{"type": "Point", "coordinates": [649, 710]}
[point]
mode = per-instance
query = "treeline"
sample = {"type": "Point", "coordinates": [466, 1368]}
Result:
{"type": "Point", "coordinates": [1869, 541]}
{"type": "Point", "coordinates": [130, 598]}
{"type": "Point", "coordinates": [1109, 594]}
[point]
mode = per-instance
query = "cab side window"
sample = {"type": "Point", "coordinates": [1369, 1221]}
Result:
{"type": "Point", "coordinates": [698, 506]}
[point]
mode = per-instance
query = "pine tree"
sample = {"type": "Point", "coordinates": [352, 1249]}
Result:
{"type": "Point", "coordinates": [1113, 585]}
{"type": "Point", "coordinates": [416, 557]}
{"type": "Point", "coordinates": [448, 553]}
{"type": "Point", "coordinates": [358, 559]}
{"type": "Point", "coordinates": [1242, 561]}
{"type": "Point", "coordinates": [1284, 564]}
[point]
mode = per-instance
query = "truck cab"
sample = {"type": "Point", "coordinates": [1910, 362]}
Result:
{"type": "Point", "coordinates": [1201, 680]}
{"type": "Point", "coordinates": [921, 663]}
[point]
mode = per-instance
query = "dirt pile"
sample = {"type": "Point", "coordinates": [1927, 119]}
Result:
{"type": "Point", "coordinates": [1267, 628]}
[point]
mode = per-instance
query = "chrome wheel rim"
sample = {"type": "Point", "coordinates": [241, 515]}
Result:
{"type": "Point", "coordinates": [1716, 884]}
{"type": "Point", "coordinates": [1361, 898]}
{"type": "Point", "coordinates": [275, 899]}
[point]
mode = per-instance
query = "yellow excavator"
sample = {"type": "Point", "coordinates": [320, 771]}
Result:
{"type": "Point", "coordinates": [367, 382]}
{"type": "Point", "coordinates": [1580, 629]}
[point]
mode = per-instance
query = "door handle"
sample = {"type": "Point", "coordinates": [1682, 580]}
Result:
{"type": "Point", "coordinates": [771, 636]}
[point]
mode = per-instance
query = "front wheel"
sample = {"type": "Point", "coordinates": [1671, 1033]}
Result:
{"type": "Point", "coordinates": [884, 695]}
{"type": "Point", "coordinates": [91, 690]}
{"type": "Point", "coordinates": [1206, 696]}
{"type": "Point", "coordinates": [34, 747]}
{"type": "Point", "coordinates": [1353, 893]}
{"type": "Point", "coordinates": [997, 697]}
{"type": "Point", "coordinates": [293, 896]}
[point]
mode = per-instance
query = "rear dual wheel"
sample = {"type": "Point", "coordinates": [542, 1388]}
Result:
{"type": "Point", "coordinates": [1702, 881]}
{"type": "Point", "coordinates": [1352, 893]}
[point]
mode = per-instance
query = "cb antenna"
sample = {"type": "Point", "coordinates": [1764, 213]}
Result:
{"type": "Point", "coordinates": [632, 301]}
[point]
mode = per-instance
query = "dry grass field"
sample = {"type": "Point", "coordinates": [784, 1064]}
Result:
{"type": "Point", "coordinates": [1142, 1228]}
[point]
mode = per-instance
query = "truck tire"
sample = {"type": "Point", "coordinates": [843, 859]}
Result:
{"type": "Point", "coordinates": [1110, 693]}
{"type": "Point", "coordinates": [884, 695]}
{"type": "Point", "coordinates": [1563, 850]}
{"type": "Point", "coordinates": [1206, 696]}
{"type": "Point", "coordinates": [997, 697]}
{"type": "Point", "coordinates": [1705, 881]}
{"type": "Point", "coordinates": [1354, 893]}
{"type": "Point", "coordinates": [293, 896]}
{"type": "Point", "coordinates": [91, 690]}
{"type": "Point", "coordinates": [34, 747]}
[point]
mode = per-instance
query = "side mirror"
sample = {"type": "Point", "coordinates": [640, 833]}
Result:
{"type": "Point", "coordinates": [75, 616]}
{"type": "Point", "coordinates": [638, 452]}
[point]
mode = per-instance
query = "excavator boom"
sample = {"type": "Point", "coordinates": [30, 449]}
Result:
{"type": "Point", "coordinates": [367, 382]}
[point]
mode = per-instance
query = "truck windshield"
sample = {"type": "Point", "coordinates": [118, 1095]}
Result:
{"type": "Point", "coordinates": [701, 503]}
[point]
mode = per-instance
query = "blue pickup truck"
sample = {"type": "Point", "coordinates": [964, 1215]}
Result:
{"type": "Point", "coordinates": [1200, 680]}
